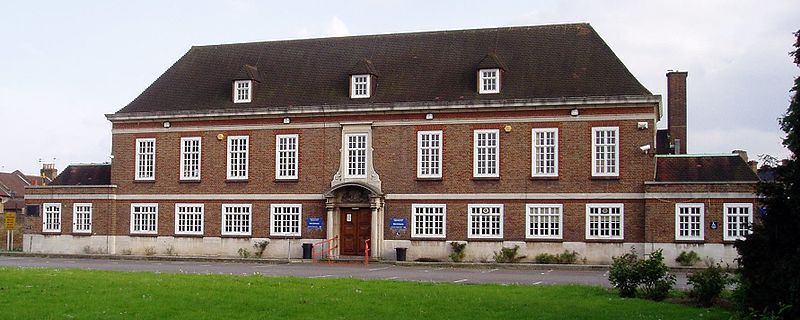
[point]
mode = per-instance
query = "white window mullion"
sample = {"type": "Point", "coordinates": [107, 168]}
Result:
{"type": "Point", "coordinates": [190, 158]}
{"type": "Point", "coordinates": [145, 159]}
{"type": "Point", "coordinates": [242, 91]}
{"type": "Point", "coordinates": [428, 220]}
{"type": "Point", "coordinates": [356, 155]}
{"type": "Point", "coordinates": [544, 152]}
{"type": "Point", "coordinates": [544, 221]}
{"type": "Point", "coordinates": [486, 153]}
{"type": "Point", "coordinates": [429, 154]}
{"type": "Point", "coordinates": [689, 221]}
{"type": "Point", "coordinates": [286, 219]}
{"type": "Point", "coordinates": [236, 219]}
{"type": "Point", "coordinates": [51, 217]}
{"type": "Point", "coordinates": [189, 218]}
{"type": "Point", "coordinates": [605, 151]}
{"type": "Point", "coordinates": [360, 86]}
{"type": "Point", "coordinates": [485, 221]}
{"type": "Point", "coordinates": [82, 218]}
{"type": "Point", "coordinates": [144, 218]}
{"type": "Point", "coordinates": [238, 153]}
{"type": "Point", "coordinates": [286, 156]}
{"type": "Point", "coordinates": [605, 221]}
{"type": "Point", "coordinates": [489, 81]}
{"type": "Point", "coordinates": [738, 218]}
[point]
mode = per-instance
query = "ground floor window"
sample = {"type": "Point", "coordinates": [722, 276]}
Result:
{"type": "Point", "coordinates": [285, 219]}
{"type": "Point", "coordinates": [738, 217]}
{"type": "Point", "coordinates": [144, 218]}
{"type": "Point", "coordinates": [428, 220]}
{"type": "Point", "coordinates": [82, 218]}
{"type": "Point", "coordinates": [544, 221]}
{"type": "Point", "coordinates": [236, 219]}
{"type": "Point", "coordinates": [51, 219]}
{"type": "Point", "coordinates": [189, 218]}
{"type": "Point", "coordinates": [485, 220]}
{"type": "Point", "coordinates": [604, 221]}
{"type": "Point", "coordinates": [688, 221]}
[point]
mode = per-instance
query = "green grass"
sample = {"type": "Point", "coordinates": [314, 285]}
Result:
{"type": "Point", "coordinates": [85, 294]}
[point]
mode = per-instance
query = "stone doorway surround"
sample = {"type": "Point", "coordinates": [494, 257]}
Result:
{"type": "Point", "coordinates": [355, 197]}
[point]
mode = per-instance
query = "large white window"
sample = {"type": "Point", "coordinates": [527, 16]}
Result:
{"type": "Point", "coordinates": [82, 218]}
{"type": "Point", "coordinates": [242, 91]}
{"type": "Point", "coordinates": [356, 151]}
{"type": "Point", "coordinates": [689, 221]}
{"type": "Point", "coordinates": [51, 219]}
{"type": "Point", "coordinates": [544, 147]}
{"type": "Point", "coordinates": [360, 86]}
{"type": "Point", "coordinates": [286, 146]}
{"type": "Point", "coordinates": [190, 158]}
{"type": "Point", "coordinates": [605, 221]}
{"type": "Point", "coordinates": [485, 221]}
{"type": "Point", "coordinates": [605, 151]}
{"type": "Point", "coordinates": [146, 159]}
{"type": "Point", "coordinates": [236, 219]}
{"type": "Point", "coordinates": [429, 154]}
{"type": "Point", "coordinates": [738, 220]}
{"type": "Point", "coordinates": [238, 150]}
{"type": "Point", "coordinates": [486, 147]}
{"type": "Point", "coordinates": [544, 221]}
{"type": "Point", "coordinates": [489, 81]}
{"type": "Point", "coordinates": [189, 218]}
{"type": "Point", "coordinates": [428, 220]}
{"type": "Point", "coordinates": [285, 219]}
{"type": "Point", "coordinates": [144, 218]}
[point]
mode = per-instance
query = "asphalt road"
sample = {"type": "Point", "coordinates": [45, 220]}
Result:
{"type": "Point", "coordinates": [337, 270]}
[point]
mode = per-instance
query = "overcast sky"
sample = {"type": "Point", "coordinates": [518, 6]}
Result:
{"type": "Point", "coordinates": [64, 64]}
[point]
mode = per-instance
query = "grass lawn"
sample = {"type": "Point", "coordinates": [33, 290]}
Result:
{"type": "Point", "coordinates": [85, 294]}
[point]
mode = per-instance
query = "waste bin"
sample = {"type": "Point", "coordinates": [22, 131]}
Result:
{"type": "Point", "coordinates": [401, 253]}
{"type": "Point", "coordinates": [307, 247]}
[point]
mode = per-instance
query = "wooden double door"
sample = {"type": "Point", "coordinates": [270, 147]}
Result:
{"type": "Point", "coordinates": [356, 228]}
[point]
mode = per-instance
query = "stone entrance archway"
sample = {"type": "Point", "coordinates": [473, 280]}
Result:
{"type": "Point", "coordinates": [365, 209]}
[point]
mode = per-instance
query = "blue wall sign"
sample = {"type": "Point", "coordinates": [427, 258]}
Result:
{"type": "Point", "coordinates": [762, 211]}
{"type": "Point", "coordinates": [398, 223]}
{"type": "Point", "coordinates": [314, 223]}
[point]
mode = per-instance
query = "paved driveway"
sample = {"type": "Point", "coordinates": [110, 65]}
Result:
{"type": "Point", "coordinates": [339, 270]}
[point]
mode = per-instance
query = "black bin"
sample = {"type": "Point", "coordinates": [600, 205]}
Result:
{"type": "Point", "coordinates": [401, 253]}
{"type": "Point", "coordinates": [307, 247]}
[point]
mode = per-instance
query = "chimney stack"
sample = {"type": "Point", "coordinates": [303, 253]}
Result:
{"type": "Point", "coordinates": [49, 171]}
{"type": "Point", "coordinates": [676, 109]}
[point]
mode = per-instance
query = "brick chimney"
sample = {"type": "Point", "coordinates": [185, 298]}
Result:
{"type": "Point", "coordinates": [676, 109]}
{"type": "Point", "coordinates": [49, 171]}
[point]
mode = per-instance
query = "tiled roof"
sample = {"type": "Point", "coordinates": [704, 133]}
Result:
{"type": "Point", "coordinates": [84, 174]}
{"type": "Point", "coordinates": [703, 168]}
{"type": "Point", "coordinates": [553, 61]}
{"type": "Point", "coordinates": [13, 186]}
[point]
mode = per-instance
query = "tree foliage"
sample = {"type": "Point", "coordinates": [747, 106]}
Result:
{"type": "Point", "coordinates": [769, 265]}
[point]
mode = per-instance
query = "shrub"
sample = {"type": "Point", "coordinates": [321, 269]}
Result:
{"type": "Point", "coordinates": [126, 252]}
{"type": "Point", "coordinates": [567, 257]}
{"type": "Point", "coordinates": [687, 259]}
{"type": "Point", "coordinates": [259, 247]}
{"type": "Point", "coordinates": [508, 255]}
{"type": "Point", "coordinates": [624, 274]}
{"type": "Point", "coordinates": [244, 253]}
{"type": "Point", "coordinates": [149, 251]}
{"type": "Point", "coordinates": [629, 273]}
{"type": "Point", "coordinates": [170, 251]}
{"type": "Point", "coordinates": [708, 284]}
{"type": "Point", "coordinates": [459, 251]}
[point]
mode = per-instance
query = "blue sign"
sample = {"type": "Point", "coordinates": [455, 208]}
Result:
{"type": "Point", "coordinates": [398, 223]}
{"type": "Point", "coordinates": [314, 223]}
{"type": "Point", "coordinates": [763, 211]}
{"type": "Point", "coordinates": [714, 225]}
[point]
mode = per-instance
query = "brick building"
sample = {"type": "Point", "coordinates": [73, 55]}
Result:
{"type": "Point", "coordinates": [531, 136]}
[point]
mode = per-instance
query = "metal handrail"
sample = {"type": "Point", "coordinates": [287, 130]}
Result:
{"type": "Point", "coordinates": [323, 251]}
{"type": "Point", "coordinates": [366, 252]}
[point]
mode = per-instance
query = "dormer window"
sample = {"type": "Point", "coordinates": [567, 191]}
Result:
{"type": "Point", "coordinates": [359, 86]}
{"type": "Point", "coordinates": [242, 91]}
{"type": "Point", "coordinates": [488, 81]}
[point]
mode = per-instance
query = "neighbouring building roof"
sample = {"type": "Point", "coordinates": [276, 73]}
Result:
{"type": "Point", "coordinates": [84, 174]}
{"type": "Point", "coordinates": [12, 185]}
{"type": "Point", "coordinates": [703, 168]}
{"type": "Point", "coordinates": [552, 61]}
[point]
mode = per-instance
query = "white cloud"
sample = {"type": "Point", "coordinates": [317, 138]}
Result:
{"type": "Point", "coordinates": [337, 28]}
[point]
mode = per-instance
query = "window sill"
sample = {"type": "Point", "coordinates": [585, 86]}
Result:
{"type": "Point", "coordinates": [235, 236]}
{"type": "Point", "coordinates": [429, 179]}
{"type": "Point", "coordinates": [144, 181]}
{"type": "Point", "coordinates": [51, 233]}
{"type": "Point", "coordinates": [147, 235]}
{"type": "Point", "coordinates": [236, 181]}
{"type": "Point", "coordinates": [286, 237]}
{"type": "Point", "coordinates": [605, 240]}
{"type": "Point", "coordinates": [286, 180]}
{"type": "Point", "coordinates": [605, 178]}
{"type": "Point", "coordinates": [543, 240]}
{"type": "Point", "coordinates": [188, 235]}
{"type": "Point", "coordinates": [81, 234]}
{"type": "Point", "coordinates": [189, 181]}
{"type": "Point", "coordinates": [485, 178]}
{"type": "Point", "coordinates": [545, 178]}
{"type": "Point", "coordinates": [693, 241]}
{"type": "Point", "coordinates": [426, 238]}
{"type": "Point", "coordinates": [485, 239]}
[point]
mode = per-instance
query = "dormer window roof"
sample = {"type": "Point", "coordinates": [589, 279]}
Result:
{"type": "Point", "coordinates": [243, 84]}
{"type": "Point", "coordinates": [489, 73]}
{"type": "Point", "coordinates": [362, 77]}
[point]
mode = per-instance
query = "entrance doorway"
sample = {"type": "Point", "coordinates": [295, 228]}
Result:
{"type": "Point", "coordinates": [356, 227]}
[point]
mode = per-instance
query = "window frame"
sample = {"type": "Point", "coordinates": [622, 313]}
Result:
{"type": "Point", "coordinates": [496, 148]}
{"type": "Point", "coordinates": [725, 214]}
{"type": "Point", "coordinates": [272, 213]}
{"type": "Point", "coordinates": [75, 219]}
{"type": "Point", "coordinates": [353, 84]}
{"type": "Point", "coordinates": [45, 213]}
{"type": "Point", "coordinates": [246, 158]}
{"type": "Point", "coordinates": [296, 152]}
{"type": "Point", "coordinates": [132, 220]}
{"type": "Point", "coordinates": [183, 167]}
{"type": "Point", "coordinates": [482, 78]}
{"type": "Point", "coordinates": [528, 215]}
{"type": "Point", "coordinates": [138, 174]}
{"type": "Point", "coordinates": [347, 150]}
{"type": "Point", "coordinates": [202, 214]}
{"type": "Point", "coordinates": [534, 158]}
{"type": "Point", "coordinates": [439, 149]}
{"type": "Point", "coordinates": [678, 207]}
{"type": "Point", "coordinates": [249, 91]}
{"type": "Point", "coordinates": [415, 216]}
{"type": "Point", "coordinates": [470, 214]}
{"type": "Point", "coordinates": [250, 219]}
{"type": "Point", "coordinates": [595, 173]}
{"type": "Point", "coordinates": [621, 207]}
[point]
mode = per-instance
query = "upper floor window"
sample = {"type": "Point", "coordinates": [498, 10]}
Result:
{"type": "Point", "coordinates": [605, 151]}
{"type": "Point", "coordinates": [356, 152]}
{"type": "Point", "coordinates": [189, 218]}
{"type": "Point", "coordinates": [489, 81]}
{"type": "Point", "coordinates": [242, 91]}
{"type": "Point", "coordinates": [285, 219]}
{"type": "Point", "coordinates": [286, 156]}
{"type": "Point", "coordinates": [688, 221]}
{"type": "Point", "coordinates": [51, 219]}
{"type": "Point", "coordinates": [485, 220]}
{"type": "Point", "coordinates": [237, 157]}
{"type": "Point", "coordinates": [544, 221]}
{"type": "Point", "coordinates": [359, 86]}
{"type": "Point", "coordinates": [429, 154]}
{"type": "Point", "coordinates": [82, 217]}
{"type": "Point", "coordinates": [605, 221]}
{"type": "Point", "coordinates": [145, 159]}
{"type": "Point", "coordinates": [428, 220]}
{"type": "Point", "coordinates": [738, 217]}
{"type": "Point", "coordinates": [486, 162]}
{"type": "Point", "coordinates": [190, 158]}
{"type": "Point", "coordinates": [545, 152]}
{"type": "Point", "coordinates": [144, 218]}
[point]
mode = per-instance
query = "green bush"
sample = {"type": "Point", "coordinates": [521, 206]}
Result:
{"type": "Point", "coordinates": [687, 259]}
{"type": "Point", "coordinates": [508, 255]}
{"type": "Point", "coordinates": [708, 284]}
{"type": "Point", "coordinates": [244, 253]}
{"type": "Point", "coordinates": [624, 274]}
{"type": "Point", "coordinates": [649, 276]}
{"type": "Point", "coordinates": [459, 251]}
{"type": "Point", "coordinates": [567, 257]}
{"type": "Point", "coordinates": [259, 247]}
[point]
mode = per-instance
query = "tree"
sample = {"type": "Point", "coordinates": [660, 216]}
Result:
{"type": "Point", "coordinates": [769, 263]}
